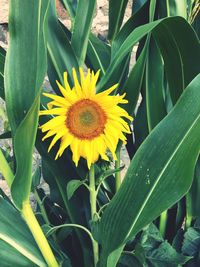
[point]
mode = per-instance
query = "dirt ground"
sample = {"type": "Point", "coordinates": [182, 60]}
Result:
{"type": "Point", "coordinates": [99, 26]}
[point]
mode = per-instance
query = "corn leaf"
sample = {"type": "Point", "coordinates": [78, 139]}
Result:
{"type": "Point", "coordinates": [116, 15]}
{"type": "Point", "coordinates": [17, 246]}
{"type": "Point", "coordinates": [2, 62]}
{"type": "Point", "coordinates": [151, 186]}
{"type": "Point", "coordinates": [24, 74]}
{"type": "Point", "coordinates": [81, 29]}
{"type": "Point", "coordinates": [60, 54]}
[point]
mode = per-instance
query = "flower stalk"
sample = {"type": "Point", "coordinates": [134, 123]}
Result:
{"type": "Point", "coordinates": [93, 198]}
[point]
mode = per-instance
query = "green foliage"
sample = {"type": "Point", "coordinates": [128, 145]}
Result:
{"type": "Point", "coordinates": [16, 243]}
{"type": "Point", "coordinates": [93, 225]}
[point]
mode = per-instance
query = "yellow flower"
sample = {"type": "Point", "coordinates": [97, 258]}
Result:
{"type": "Point", "coordinates": [88, 122]}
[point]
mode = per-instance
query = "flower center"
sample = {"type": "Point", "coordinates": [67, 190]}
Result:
{"type": "Point", "coordinates": [86, 119]}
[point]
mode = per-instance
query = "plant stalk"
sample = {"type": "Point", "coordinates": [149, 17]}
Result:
{"type": "Point", "coordinates": [163, 223]}
{"type": "Point", "coordinates": [93, 196]}
{"type": "Point", "coordinates": [117, 166]}
{"type": "Point", "coordinates": [38, 234]}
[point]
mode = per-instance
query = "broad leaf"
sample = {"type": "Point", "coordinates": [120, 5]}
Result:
{"type": "Point", "coordinates": [17, 246]}
{"type": "Point", "coordinates": [24, 74]}
{"type": "Point", "coordinates": [151, 186]}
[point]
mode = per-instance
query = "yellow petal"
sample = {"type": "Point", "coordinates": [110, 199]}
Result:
{"type": "Point", "coordinates": [62, 89]}
{"type": "Point", "coordinates": [67, 87]}
{"type": "Point", "coordinates": [65, 142]}
{"type": "Point", "coordinates": [56, 138]}
{"type": "Point", "coordinates": [54, 111]}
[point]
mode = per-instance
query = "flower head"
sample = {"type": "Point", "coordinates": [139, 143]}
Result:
{"type": "Point", "coordinates": [88, 122]}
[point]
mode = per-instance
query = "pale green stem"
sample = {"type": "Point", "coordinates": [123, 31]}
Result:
{"type": "Point", "coordinates": [93, 196]}
{"type": "Point", "coordinates": [38, 235]}
{"type": "Point", "coordinates": [6, 170]}
{"type": "Point", "coordinates": [163, 223]}
{"type": "Point", "coordinates": [117, 174]}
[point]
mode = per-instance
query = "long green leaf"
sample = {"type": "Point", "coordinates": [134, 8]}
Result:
{"type": "Point", "coordinates": [24, 73]}
{"type": "Point", "coordinates": [116, 15]}
{"type": "Point", "coordinates": [23, 78]}
{"type": "Point", "coordinates": [175, 39]}
{"type": "Point", "coordinates": [81, 29]}
{"type": "Point", "coordinates": [24, 145]}
{"type": "Point", "coordinates": [61, 56]}
{"type": "Point", "coordinates": [2, 63]}
{"type": "Point", "coordinates": [169, 8]}
{"type": "Point", "coordinates": [70, 6]}
{"type": "Point", "coordinates": [141, 17]}
{"type": "Point", "coordinates": [98, 54]}
{"type": "Point", "coordinates": [156, 110]}
{"type": "Point", "coordinates": [193, 196]}
{"type": "Point", "coordinates": [17, 246]}
{"type": "Point", "coordinates": [150, 185]}
{"type": "Point", "coordinates": [171, 38]}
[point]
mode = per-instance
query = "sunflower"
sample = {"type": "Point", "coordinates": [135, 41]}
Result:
{"type": "Point", "coordinates": [90, 123]}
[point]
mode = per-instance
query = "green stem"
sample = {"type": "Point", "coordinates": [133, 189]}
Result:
{"type": "Point", "coordinates": [117, 174]}
{"type": "Point", "coordinates": [163, 223]}
{"type": "Point", "coordinates": [38, 234]}
{"type": "Point", "coordinates": [6, 170]}
{"type": "Point", "coordinates": [93, 196]}
{"type": "Point", "coordinates": [188, 222]}
{"type": "Point", "coordinates": [42, 209]}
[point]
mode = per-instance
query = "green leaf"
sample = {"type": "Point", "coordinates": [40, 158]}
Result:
{"type": "Point", "coordinates": [133, 84]}
{"type": "Point", "coordinates": [137, 5]}
{"type": "Point", "coordinates": [141, 17]}
{"type": "Point", "coordinates": [5, 169]}
{"type": "Point", "coordinates": [2, 63]}
{"type": "Point", "coordinates": [70, 6]}
{"type": "Point", "coordinates": [17, 246]}
{"type": "Point", "coordinates": [175, 39]}
{"type": "Point", "coordinates": [23, 147]}
{"type": "Point", "coordinates": [191, 242]}
{"type": "Point", "coordinates": [36, 178]}
{"type": "Point", "coordinates": [24, 74]}
{"type": "Point", "coordinates": [156, 110]}
{"type": "Point", "coordinates": [159, 252]}
{"type": "Point", "coordinates": [128, 260]}
{"type": "Point", "coordinates": [116, 15]}
{"type": "Point", "coordinates": [173, 8]}
{"type": "Point", "coordinates": [166, 256]}
{"type": "Point", "coordinates": [98, 54]}
{"type": "Point", "coordinates": [61, 56]}
{"type": "Point", "coordinates": [81, 29]}
{"type": "Point", "coordinates": [72, 186]}
{"type": "Point", "coordinates": [151, 186]}
{"type": "Point", "coordinates": [193, 196]}
{"type": "Point", "coordinates": [170, 33]}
